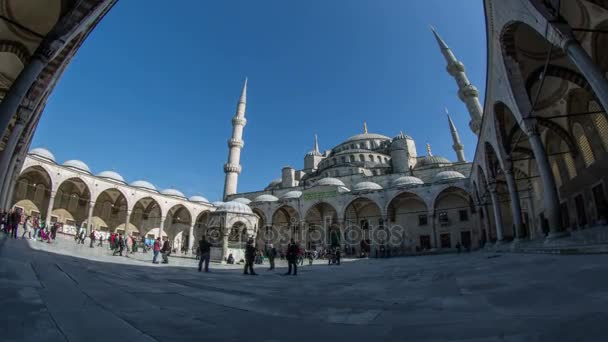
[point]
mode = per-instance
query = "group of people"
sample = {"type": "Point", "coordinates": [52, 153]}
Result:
{"type": "Point", "coordinates": [13, 220]}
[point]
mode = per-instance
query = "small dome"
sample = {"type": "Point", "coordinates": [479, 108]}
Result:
{"type": "Point", "coordinates": [198, 199]}
{"type": "Point", "coordinates": [234, 207]}
{"type": "Point", "coordinates": [448, 175]}
{"type": "Point", "coordinates": [242, 200]}
{"type": "Point", "coordinates": [292, 194]}
{"type": "Point", "coordinates": [366, 186]}
{"type": "Point", "coordinates": [266, 198]}
{"type": "Point", "coordinates": [407, 180]}
{"type": "Point", "coordinates": [111, 175]}
{"type": "Point", "coordinates": [43, 153]}
{"type": "Point", "coordinates": [77, 164]}
{"type": "Point", "coordinates": [329, 181]}
{"type": "Point", "coordinates": [217, 203]}
{"type": "Point", "coordinates": [143, 184]}
{"type": "Point", "coordinates": [366, 136]}
{"type": "Point", "coordinates": [432, 161]}
{"type": "Point", "coordinates": [276, 182]}
{"type": "Point", "coordinates": [402, 136]}
{"type": "Point", "coordinates": [173, 192]}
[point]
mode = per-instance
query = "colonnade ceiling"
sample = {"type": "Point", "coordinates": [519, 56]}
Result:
{"type": "Point", "coordinates": [37, 175]}
{"type": "Point", "coordinates": [318, 212]}
{"type": "Point", "coordinates": [75, 186]}
{"type": "Point", "coordinates": [362, 206]}
{"type": "Point", "coordinates": [146, 205]}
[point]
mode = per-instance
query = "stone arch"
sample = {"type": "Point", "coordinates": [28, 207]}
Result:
{"type": "Point", "coordinates": [201, 225]}
{"type": "Point", "coordinates": [493, 164]}
{"type": "Point", "coordinates": [322, 225]}
{"type": "Point", "coordinates": [16, 48]}
{"type": "Point", "coordinates": [454, 209]}
{"type": "Point", "coordinates": [177, 226]}
{"type": "Point", "coordinates": [285, 226]}
{"type": "Point", "coordinates": [145, 215]}
{"type": "Point", "coordinates": [33, 191]}
{"type": "Point", "coordinates": [599, 41]}
{"type": "Point", "coordinates": [362, 216]}
{"type": "Point", "coordinates": [72, 203]}
{"type": "Point", "coordinates": [408, 216]}
{"type": "Point", "coordinates": [109, 211]}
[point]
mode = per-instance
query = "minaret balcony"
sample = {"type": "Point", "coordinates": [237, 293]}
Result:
{"type": "Point", "coordinates": [455, 68]}
{"type": "Point", "coordinates": [236, 121]}
{"type": "Point", "coordinates": [468, 91]}
{"type": "Point", "coordinates": [232, 168]}
{"type": "Point", "coordinates": [235, 143]}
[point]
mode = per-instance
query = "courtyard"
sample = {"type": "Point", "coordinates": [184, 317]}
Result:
{"type": "Point", "coordinates": [479, 296]}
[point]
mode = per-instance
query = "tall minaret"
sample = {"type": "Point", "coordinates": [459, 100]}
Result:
{"type": "Point", "coordinates": [233, 167]}
{"type": "Point", "coordinates": [457, 146]}
{"type": "Point", "coordinates": [467, 92]}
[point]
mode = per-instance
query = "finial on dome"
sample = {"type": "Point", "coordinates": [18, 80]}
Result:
{"type": "Point", "coordinates": [428, 150]}
{"type": "Point", "coordinates": [364, 127]}
{"type": "Point", "coordinates": [401, 135]}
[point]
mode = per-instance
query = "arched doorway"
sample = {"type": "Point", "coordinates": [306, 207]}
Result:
{"type": "Point", "coordinates": [322, 227]}
{"type": "Point", "coordinates": [109, 212]}
{"type": "Point", "coordinates": [71, 205]}
{"type": "Point", "coordinates": [285, 226]}
{"type": "Point", "coordinates": [408, 212]}
{"type": "Point", "coordinates": [361, 218]}
{"type": "Point", "coordinates": [177, 227]}
{"type": "Point", "coordinates": [145, 218]}
{"type": "Point", "coordinates": [456, 221]}
{"type": "Point", "coordinates": [33, 192]}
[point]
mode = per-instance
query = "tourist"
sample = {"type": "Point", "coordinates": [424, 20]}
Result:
{"type": "Point", "coordinates": [292, 257]}
{"type": "Point", "coordinates": [54, 229]}
{"type": "Point", "coordinates": [15, 219]}
{"type": "Point", "coordinates": [156, 249]}
{"type": "Point", "coordinates": [271, 254]}
{"type": "Point", "coordinates": [36, 227]}
{"type": "Point", "coordinates": [165, 252]}
{"type": "Point", "coordinates": [102, 236]}
{"type": "Point", "coordinates": [249, 256]}
{"type": "Point", "coordinates": [119, 245]}
{"type": "Point", "coordinates": [92, 237]}
{"type": "Point", "coordinates": [205, 254]}
{"type": "Point", "coordinates": [230, 259]}
{"type": "Point", "coordinates": [133, 243]}
{"type": "Point", "coordinates": [126, 243]}
{"type": "Point", "coordinates": [26, 228]}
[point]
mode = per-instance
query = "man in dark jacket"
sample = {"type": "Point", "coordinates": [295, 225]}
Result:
{"type": "Point", "coordinates": [92, 237]}
{"type": "Point", "coordinates": [205, 251]}
{"type": "Point", "coordinates": [292, 257]}
{"type": "Point", "coordinates": [271, 254]}
{"type": "Point", "coordinates": [249, 256]}
{"type": "Point", "coordinates": [165, 252]}
{"type": "Point", "coordinates": [120, 244]}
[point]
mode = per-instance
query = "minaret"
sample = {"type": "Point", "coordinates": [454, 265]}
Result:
{"type": "Point", "coordinates": [467, 92]}
{"type": "Point", "coordinates": [233, 167]}
{"type": "Point", "coordinates": [429, 153]}
{"type": "Point", "coordinates": [316, 148]}
{"type": "Point", "coordinates": [457, 146]}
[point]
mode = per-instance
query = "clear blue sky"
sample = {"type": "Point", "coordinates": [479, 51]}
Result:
{"type": "Point", "coordinates": [152, 91]}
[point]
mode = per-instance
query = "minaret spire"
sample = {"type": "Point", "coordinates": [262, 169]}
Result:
{"type": "Point", "coordinates": [428, 150]}
{"type": "Point", "coordinates": [316, 148]}
{"type": "Point", "coordinates": [232, 168]}
{"type": "Point", "coordinates": [364, 127]}
{"type": "Point", "coordinates": [457, 146]}
{"type": "Point", "coordinates": [467, 92]}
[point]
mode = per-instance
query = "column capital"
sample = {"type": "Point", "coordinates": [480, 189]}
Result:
{"type": "Point", "coordinates": [531, 127]}
{"type": "Point", "coordinates": [492, 186]}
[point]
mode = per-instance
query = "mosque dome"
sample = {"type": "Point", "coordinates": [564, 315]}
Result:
{"type": "Point", "coordinates": [77, 164]}
{"type": "Point", "coordinates": [329, 181]}
{"type": "Point", "coordinates": [43, 153]}
{"type": "Point", "coordinates": [407, 180]}
{"type": "Point", "coordinates": [402, 136]}
{"type": "Point", "coordinates": [234, 207]}
{"type": "Point", "coordinates": [242, 200]}
{"type": "Point", "coordinates": [366, 186]}
{"type": "Point", "coordinates": [266, 198]}
{"type": "Point", "coordinates": [367, 136]}
{"type": "Point", "coordinates": [173, 192]}
{"type": "Point", "coordinates": [143, 184]}
{"type": "Point", "coordinates": [198, 199]}
{"type": "Point", "coordinates": [448, 175]}
{"type": "Point", "coordinates": [292, 195]}
{"type": "Point", "coordinates": [432, 161]}
{"type": "Point", "coordinates": [111, 175]}
{"type": "Point", "coordinates": [217, 203]}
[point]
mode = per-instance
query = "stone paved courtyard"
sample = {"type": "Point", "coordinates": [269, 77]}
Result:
{"type": "Point", "coordinates": [468, 297]}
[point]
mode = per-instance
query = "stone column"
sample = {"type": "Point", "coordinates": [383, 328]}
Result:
{"type": "Point", "coordinates": [550, 195]}
{"type": "Point", "coordinates": [90, 216]}
{"type": "Point", "coordinates": [191, 238]}
{"type": "Point", "coordinates": [9, 151]}
{"type": "Point", "coordinates": [588, 68]}
{"type": "Point", "coordinates": [497, 211]}
{"type": "Point", "coordinates": [518, 223]}
{"type": "Point", "coordinates": [47, 221]}
{"type": "Point", "coordinates": [6, 195]}
{"type": "Point", "coordinates": [128, 218]}
{"type": "Point", "coordinates": [433, 228]}
{"type": "Point", "coordinates": [161, 227]}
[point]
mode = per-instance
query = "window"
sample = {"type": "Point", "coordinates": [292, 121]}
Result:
{"type": "Point", "coordinates": [556, 175]}
{"type": "Point", "coordinates": [69, 222]}
{"type": "Point", "coordinates": [583, 144]}
{"type": "Point", "coordinates": [464, 215]}
{"type": "Point", "coordinates": [371, 157]}
{"type": "Point", "coordinates": [352, 146]}
{"type": "Point", "coordinates": [343, 159]}
{"type": "Point", "coordinates": [54, 219]}
{"type": "Point", "coordinates": [334, 161]}
{"type": "Point", "coordinates": [423, 220]}
{"type": "Point", "coordinates": [443, 218]}
{"type": "Point", "coordinates": [361, 157]}
{"type": "Point", "coordinates": [352, 158]}
{"type": "Point", "coordinates": [379, 159]}
{"type": "Point", "coordinates": [446, 241]}
{"type": "Point", "coordinates": [104, 229]}
{"type": "Point", "coordinates": [568, 160]}
{"type": "Point", "coordinates": [601, 124]}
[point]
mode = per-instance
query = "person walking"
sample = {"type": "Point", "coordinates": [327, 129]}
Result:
{"type": "Point", "coordinates": [35, 227]}
{"type": "Point", "coordinates": [249, 256]}
{"type": "Point", "coordinates": [26, 228]}
{"type": "Point", "coordinates": [92, 237]}
{"type": "Point", "coordinates": [16, 219]}
{"type": "Point", "coordinates": [292, 257]}
{"type": "Point", "coordinates": [102, 236]}
{"type": "Point", "coordinates": [271, 254]}
{"type": "Point", "coordinates": [165, 252]}
{"type": "Point", "coordinates": [133, 244]}
{"type": "Point", "coordinates": [120, 244]}
{"type": "Point", "coordinates": [205, 254]}
{"type": "Point", "coordinates": [156, 249]}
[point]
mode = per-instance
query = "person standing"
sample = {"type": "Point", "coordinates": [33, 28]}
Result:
{"type": "Point", "coordinates": [166, 251]}
{"type": "Point", "coordinates": [133, 244]}
{"type": "Point", "coordinates": [205, 254]}
{"type": "Point", "coordinates": [26, 228]}
{"type": "Point", "coordinates": [15, 223]}
{"type": "Point", "coordinates": [102, 236]}
{"type": "Point", "coordinates": [271, 254]}
{"type": "Point", "coordinates": [120, 243]}
{"type": "Point", "coordinates": [156, 249]}
{"type": "Point", "coordinates": [292, 257]}
{"type": "Point", "coordinates": [35, 226]}
{"type": "Point", "coordinates": [249, 256]}
{"type": "Point", "coordinates": [92, 237]}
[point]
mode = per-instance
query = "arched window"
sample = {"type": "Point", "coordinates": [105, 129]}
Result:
{"type": "Point", "coordinates": [568, 160]}
{"type": "Point", "coordinates": [343, 159]}
{"type": "Point", "coordinates": [558, 177]}
{"type": "Point", "coordinates": [583, 144]}
{"type": "Point", "coordinates": [379, 159]}
{"type": "Point", "coordinates": [361, 157]}
{"type": "Point", "coordinates": [334, 161]}
{"type": "Point", "coordinates": [601, 124]}
{"type": "Point", "coordinates": [352, 158]}
{"type": "Point", "coordinates": [371, 157]}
